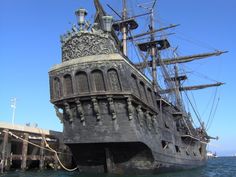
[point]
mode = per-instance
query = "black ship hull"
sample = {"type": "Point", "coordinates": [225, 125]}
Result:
{"type": "Point", "coordinates": [114, 122]}
{"type": "Point", "coordinates": [128, 158]}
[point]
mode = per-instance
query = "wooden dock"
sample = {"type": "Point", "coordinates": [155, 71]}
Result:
{"type": "Point", "coordinates": [28, 147]}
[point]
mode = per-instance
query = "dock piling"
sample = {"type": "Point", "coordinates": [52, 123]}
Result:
{"type": "Point", "coordinates": [24, 152]}
{"type": "Point", "coordinates": [41, 161]}
{"type": "Point", "coordinates": [4, 151]}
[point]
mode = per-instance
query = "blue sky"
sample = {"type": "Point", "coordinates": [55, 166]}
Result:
{"type": "Point", "coordinates": [30, 45]}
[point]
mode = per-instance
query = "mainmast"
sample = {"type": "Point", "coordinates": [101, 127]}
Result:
{"type": "Point", "coordinates": [151, 46]}
{"type": "Point", "coordinates": [153, 50]}
{"type": "Point", "coordinates": [124, 28]}
{"type": "Point", "coordinates": [177, 81]}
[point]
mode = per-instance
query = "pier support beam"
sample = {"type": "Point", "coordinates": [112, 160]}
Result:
{"type": "Point", "coordinates": [41, 160]}
{"type": "Point", "coordinates": [4, 162]}
{"type": "Point", "coordinates": [24, 152]}
{"type": "Point", "coordinates": [56, 163]}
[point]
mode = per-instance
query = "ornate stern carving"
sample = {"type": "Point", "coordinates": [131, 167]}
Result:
{"type": "Point", "coordinates": [112, 107]}
{"type": "Point", "coordinates": [80, 110]}
{"type": "Point", "coordinates": [84, 40]}
{"type": "Point", "coordinates": [154, 122]}
{"type": "Point", "coordinates": [140, 115]}
{"type": "Point", "coordinates": [59, 114]}
{"type": "Point", "coordinates": [96, 109]}
{"type": "Point", "coordinates": [130, 108]}
{"type": "Point", "coordinates": [148, 120]}
{"type": "Point", "coordinates": [68, 112]}
{"type": "Point", "coordinates": [81, 44]}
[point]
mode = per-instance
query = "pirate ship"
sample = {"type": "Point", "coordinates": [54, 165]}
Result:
{"type": "Point", "coordinates": [116, 119]}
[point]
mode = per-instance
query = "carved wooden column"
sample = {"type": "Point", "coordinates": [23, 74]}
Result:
{"type": "Point", "coordinates": [80, 110]}
{"type": "Point", "coordinates": [140, 115]}
{"type": "Point", "coordinates": [96, 108]}
{"type": "Point", "coordinates": [68, 112]}
{"type": "Point", "coordinates": [130, 108]}
{"type": "Point", "coordinates": [112, 107]}
{"type": "Point", "coordinates": [24, 152]}
{"type": "Point", "coordinates": [148, 120]}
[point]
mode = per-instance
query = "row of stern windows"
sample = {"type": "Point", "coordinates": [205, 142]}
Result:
{"type": "Point", "coordinates": [66, 86]}
{"type": "Point", "coordinates": [96, 82]}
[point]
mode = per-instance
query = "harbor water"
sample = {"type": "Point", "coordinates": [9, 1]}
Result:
{"type": "Point", "coordinates": [217, 167]}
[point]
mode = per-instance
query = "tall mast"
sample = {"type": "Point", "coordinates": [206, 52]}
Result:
{"type": "Point", "coordinates": [151, 46]}
{"type": "Point", "coordinates": [177, 84]}
{"type": "Point", "coordinates": [124, 28]}
{"type": "Point", "coordinates": [153, 50]}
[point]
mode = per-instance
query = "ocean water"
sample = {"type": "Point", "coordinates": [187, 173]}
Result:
{"type": "Point", "coordinates": [218, 167]}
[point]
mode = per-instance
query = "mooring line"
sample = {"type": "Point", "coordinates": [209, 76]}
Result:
{"type": "Point", "coordinates": [48, 149]}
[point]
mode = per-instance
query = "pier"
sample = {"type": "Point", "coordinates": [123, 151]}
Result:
{"type": "Point", "coordinates": [26, 147]}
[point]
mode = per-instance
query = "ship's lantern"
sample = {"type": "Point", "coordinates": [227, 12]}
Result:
{"type": "Point", "coordinates": [107, 23]}
{"type": "Point", "coordinates": [80, 14]}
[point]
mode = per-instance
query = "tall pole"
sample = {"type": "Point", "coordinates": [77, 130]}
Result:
{"type": "Point", "coordinates": [153, 53]}
{"type": "Point", "coordinates": [13, 105]}
{"type": "Point", "coordinates": [124, 28]}
{"type": "Point", "coordinates": [177, 85]}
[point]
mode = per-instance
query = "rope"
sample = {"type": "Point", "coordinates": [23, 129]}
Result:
{"type": "Point", "coordinates": [65, 168]}
{"type": "Point", "coordinates": [213, 114]}
{"type": "Point", "coordinates": [212, 108]}
{"type": "Point", "coordinates": [17, 137]}
{"type": "Point", "coordinates": [55, 152]}
{"type": "Point", "coordinates": [199, 119]}
{"type": "Point", "coordinates": [48, 149]}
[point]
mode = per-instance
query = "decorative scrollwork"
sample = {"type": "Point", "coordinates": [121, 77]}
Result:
{"type": "Point", "coordinates": [112, 108]}
{"type": "Point", "coordinates": [96, 109]}
{"type": "Point", "coordinates": [130, 108]}
{"type": "Point", "coordinates": [140, 115]}
{"type": "Point", "coordinates": [148, 120]}
{"type": "Point", "coordinates": [86, 44]}
{"type": "Point", "coordinates": [68, 112]}
{"type": "Point", "coordinates": [58, 113]}
{"type": "Point", "coordinates": [154, 122]}
{"type": "Point", "coordinates": [80, 110]}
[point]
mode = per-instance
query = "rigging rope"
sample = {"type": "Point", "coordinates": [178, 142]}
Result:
{"type": "Point", "coordinates": [212, 107]}
{"type": "Point", "coordinates": [199, 119]}
{"type": "Point", "coordinates": [210, 123]}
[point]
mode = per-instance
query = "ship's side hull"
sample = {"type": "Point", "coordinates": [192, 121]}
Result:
{"type": "Point", "coordinates": [114, 122]}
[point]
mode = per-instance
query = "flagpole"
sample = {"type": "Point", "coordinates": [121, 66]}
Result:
{"type": "Point", "coordinates": [13, 105]}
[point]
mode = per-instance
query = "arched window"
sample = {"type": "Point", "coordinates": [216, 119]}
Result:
{"type": "Point", "coordinates": [143, 91]}
{"type": "Point", "coordinates": [98, 80]}
{"type": "Point", "coordinates": [134, 85]}
{"type": "Point", "coordinates": [57, 88]}
{"type": "Point", "coordinates": [114, 80]}
{"type": "Point", "coordinates": [82, 82]}
{"type": "Point", "coordinates": [68, 85]}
